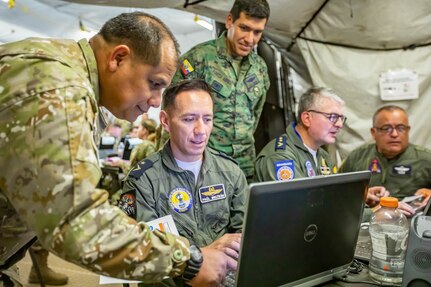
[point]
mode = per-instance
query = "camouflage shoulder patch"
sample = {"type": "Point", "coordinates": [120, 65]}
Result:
{"type": "Point", "coordinates": [186, 67]}
{"type": "Point", "coordinates": [222, 154]}
{"type": "Point", "coordinates": [140, 168]}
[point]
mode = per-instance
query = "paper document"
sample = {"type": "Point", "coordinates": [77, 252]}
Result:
{"type": "Point", "coordinates": [165, 223]}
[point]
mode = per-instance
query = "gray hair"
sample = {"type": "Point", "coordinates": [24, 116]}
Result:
{"type": "Point", "coordinates": [313, 98]}
{"type": "Point", "coordinates": [389, 108]}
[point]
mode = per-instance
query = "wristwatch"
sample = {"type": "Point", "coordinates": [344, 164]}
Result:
{"type": "Point", "coordinates": [193, 264]}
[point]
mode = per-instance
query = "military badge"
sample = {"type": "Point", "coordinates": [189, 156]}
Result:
{"type": "Point", "coordinates": [324, 168]}
{"type": "Point", "coordinates": [180, 200]}
{"type": "Point", "coordinates": [402, 170]}
{"type": "Point", "coordinates": [127, 204]}
{"type": "Point", "coordinates": [186, 67]}
{"type": "Point", "coordinates": [284, 170]}
{"type": "Point", "coordinates": [375, 167]}
{"type": "Point", "coordinates": [310, 169]}
{"type": "Point", "coordinates": [212, 193]}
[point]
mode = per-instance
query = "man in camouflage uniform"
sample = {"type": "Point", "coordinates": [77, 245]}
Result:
{"type": "Point", "coordinates": [404, 169]}
{"type": "Point", "coordinates": [298, 153]}
{"type": "Point", "coordinates": [50, 93]}
{"type": "Point", "coordinates": [203, 189]}
{"type": "Point", "coordinates": [238, 77]}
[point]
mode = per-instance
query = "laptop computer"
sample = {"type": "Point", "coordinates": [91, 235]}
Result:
{"type": "Point", "coordinates": [301, 232]}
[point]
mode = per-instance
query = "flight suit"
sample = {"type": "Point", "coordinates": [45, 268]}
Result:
{"type": "Point", "coordinates": [238, 96]}
{"type": "Point", "coordinates": [49, 122]}
{"type": "Point", "coordinates": [402, 176]}
{"type": "Point", "coordinates": [203, 211]}
{"type": "Point", "coordinates": [286, 158]}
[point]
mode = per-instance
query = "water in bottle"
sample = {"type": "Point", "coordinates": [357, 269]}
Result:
{"type": "Point", "coordinates": [389, 230]}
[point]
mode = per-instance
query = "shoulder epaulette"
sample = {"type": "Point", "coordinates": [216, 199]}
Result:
{"type": "Point", "coordinates": [223, 155]}
{"type": "Point", "coordinates": [140, 168]}
{"type": "Point", "coordinates": [422, 148]}
{"type": "Point", "coordinates": [280, 143]}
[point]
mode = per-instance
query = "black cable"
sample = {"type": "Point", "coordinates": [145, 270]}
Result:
{"type": "Point", "coordinates": [186, 3]}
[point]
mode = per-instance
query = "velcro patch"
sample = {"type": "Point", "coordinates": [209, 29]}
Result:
{"type": "Point", "coordinates": [284, 170]}
{"type": "Point", "coordinates": [402, 170]}
{"type": "Point", "coordinates": [186, 67]}
{"type": "Point", "coordinates": [212, 193]}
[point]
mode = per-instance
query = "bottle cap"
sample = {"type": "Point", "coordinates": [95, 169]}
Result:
{"type": "Point", "coordinates": [389, 202]}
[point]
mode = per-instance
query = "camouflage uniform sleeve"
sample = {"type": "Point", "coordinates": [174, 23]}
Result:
{"type": "Point", "coordinates": [259, 105]}
{"type": "Point", "coordinates": [51, 181]}
{"type": "Point", "coordinates": [238, 203]}
{"type": "Point", "coordinates": [194, 59]}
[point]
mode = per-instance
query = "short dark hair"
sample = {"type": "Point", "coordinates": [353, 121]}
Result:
{"type": "Point", "coordinates": [171, 92]}
{"type": "Point", "coordinates": [252, 8]}
{"type": "Point", "coordinates": [142, 32]}
{"type": "Point", "coordinates": [312, 98]}
{"type": "Point", "coordinates": [387, 108]}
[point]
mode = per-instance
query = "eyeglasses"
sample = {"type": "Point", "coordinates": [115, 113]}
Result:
{"type": "Point", "coordinates": [332, 117]}
{"type": "Point", "coordinates": [389, 129]}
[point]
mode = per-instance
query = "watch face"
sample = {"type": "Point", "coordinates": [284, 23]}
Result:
{"type": "Point", "coordinates": [195, 254]}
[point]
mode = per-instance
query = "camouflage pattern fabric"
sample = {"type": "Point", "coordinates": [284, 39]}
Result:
{"type": "Point", "coordinates": [141, 151]}
{"type": "Point", "coordinates": [286, 158]}
{"type": "Point", "coordinates": [48, 157]}
{"type": "Point", "coordinates": [402, 176]}
{"type": "Point", "coordinates": [238, 97]}
{"type": "Point", "coordinates": [203, 211]}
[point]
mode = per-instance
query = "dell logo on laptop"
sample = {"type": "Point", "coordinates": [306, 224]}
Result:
{"type": "Point", "coordinates": [310, 232]}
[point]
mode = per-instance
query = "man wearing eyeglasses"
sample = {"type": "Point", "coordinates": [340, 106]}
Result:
{"type": "Point", "coordinates": [298, 152]}
{"type": "Point", "coordinates": [404, 169]}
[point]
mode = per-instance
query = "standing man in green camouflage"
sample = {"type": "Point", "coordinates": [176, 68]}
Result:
{"type": "Point", "coordinates": [50, 97]}
{"type": "Point", "coordinates": [238, 77]}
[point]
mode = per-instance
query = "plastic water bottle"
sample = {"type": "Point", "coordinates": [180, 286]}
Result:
{"type": "Point", "coordinates": [389, 230]}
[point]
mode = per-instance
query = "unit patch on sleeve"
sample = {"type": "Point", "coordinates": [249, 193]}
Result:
{"type": "Point", "coordinates": [180, 199]}
{"type": "Point", "coordinates": [284, 170]}
{"type": "Point", "coordinates": [186, 67]}
{"type": "Point", "coordinates": [212, 193]}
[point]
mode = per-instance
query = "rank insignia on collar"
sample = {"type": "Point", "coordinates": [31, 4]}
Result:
{"type": "Point", "coordinates": [375, 167]}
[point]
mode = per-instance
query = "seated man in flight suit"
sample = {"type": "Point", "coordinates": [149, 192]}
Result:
{"type": "Point", "coordinates": [404, 169]}
{"type": "Point", "coordinates": [203, 189]}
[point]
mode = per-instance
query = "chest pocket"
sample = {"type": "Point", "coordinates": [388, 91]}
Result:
{"type": "Point", "coordinates": [253, 90]}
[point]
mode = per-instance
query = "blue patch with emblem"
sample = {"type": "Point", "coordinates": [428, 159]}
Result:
{"type": "Point", "coordinates": [310, 169]}
{"type": "Point", "coordinates": [284, 170]}
{"type": "Point", "coordinates": [180, 199]}
{"type": "Point", "coordinates": [212, 193]}
{"type": "Point", "coordinates": [280, 143]}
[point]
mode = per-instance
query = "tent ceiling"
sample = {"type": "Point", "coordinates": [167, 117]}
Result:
{"type": "Point", "coordinates": [374, 24]}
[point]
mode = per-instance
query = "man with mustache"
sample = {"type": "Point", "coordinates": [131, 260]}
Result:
{"type": "Point", "coordinates": [298, 153]}
{"type": "Point", "coordinates": [404, 169]}
{"type": "Point", "coordinates": [238, 78]}
{"type": "Point", "coordinates": [203, 189]}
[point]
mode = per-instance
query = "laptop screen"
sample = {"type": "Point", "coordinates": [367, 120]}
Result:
{"type": "Point", "coordinates": [301, 231]}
